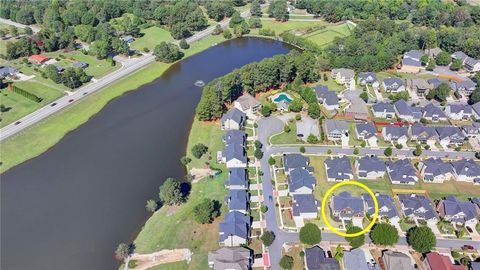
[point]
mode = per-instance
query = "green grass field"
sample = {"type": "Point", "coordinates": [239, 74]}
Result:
{"type": "Point", "coordinates": [325, 36]}
{"type": "Point", "coordinates": [208, 133]}
{"type": "Point", "coordinates": [152, 37]}
{"type": "Point", "coordinates": [280, 27]}
{"type": "Point", "coordinates": [171, 266]}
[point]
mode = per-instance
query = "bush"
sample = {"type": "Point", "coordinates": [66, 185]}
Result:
{"type": "Point", "coordinates": [271, 161]}
{"type": "Point", "coordinates": [258, 144]}
{"type": "Point", "coordinates": [266, 111]}
{"type": "Point", "coordinates": [227, 34]}
{"type": "Point", "coordinates": [398, 146]}
{"type": "Point", "coordinates": [312, 139]}
{"type": "Point", "coordinates": [287, 128]}
{"type": "Point", "coordinates": [258, 153]}
{"type": "Point", "coordinates": [310, 234]}
{"type": "Point", "coordinates": [302, 149]}
{"type": "Point", "coordinates": [151, 206]}
{"type": "Point", "coordinates": [455, 254]}
{"type": "Point", "coordinates": [267, 238]}
{"type": "Point", "coordinates": [145, 49]}
{"type": "Point", "coordinates": [356, 151]}
{"type": "Point", "coordinates": [183, 44]}
{"type": "Point", "coordinates": [185, 160]}
{"type": "Point", "coordinates": [198, 150]}
{"type": "Point", "coordinates": [266, 32]}
{"type": "Point", "coordinates": [388, 151]}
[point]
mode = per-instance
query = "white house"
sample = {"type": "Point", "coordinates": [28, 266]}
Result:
{"type": "Point", "coordinates": [247, 104]}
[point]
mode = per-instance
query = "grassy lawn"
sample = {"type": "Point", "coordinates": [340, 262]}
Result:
{"type": "Point", "coordinates": [43, 135]}
{"type": "Point", "coordinates": [325, 36]}
{"type": "Point", "coordinates": [208, 133]}
{"type": "Point", "coordinates": [280, 27]}
{"type": "Point", "coordinates": [406, 226]}
{"type": "Point", "coordinates": [286, 137]}
{"type": "Point", "coordinates": [19, 106]}
{"type": "Point", "coordinates": [297, 259]}
{"type": "Point", "coordinates": [182, 265]}
{"type": "Point", "coordinates": [152, 37]}
{"type": "Point", "coordinates": [332, 85]}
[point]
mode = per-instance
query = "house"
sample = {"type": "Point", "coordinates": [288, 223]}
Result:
{"type": "Point", "coordinates": [466, 170]}
{"type": "Point", "coordinates": [128, 39]}
{"type": "Point", "coordinates": [304, 206]}
{"type": "Point", "coordinates": [435, 261]}
{"type": "Point", "coordinates": [386, 207]}
{"type": "Point", "coordinates": [460, 212]}
{"type": "Point", "coordinates": [368, 167]}
{"type": "Point", "coordinates": [450, 135]}
{"type": "Point", "coordinates": [473, 266]}
{"type": "Point", "coordinates": [395, 134]}
{"type": "Point", "coordinates": [238, 200]}
{"type": "Point", "coordinates": [344, 76]}
{"type": "Point", "coordinates": [235, 137]}
{"type": "Point", "coordinates": [338, 169]}
{"type": "Point", "coordinates": [307, 126]}
{"type": "Point", "coordinates": [7, 71]}
{"type": "Point", "coordinates": [459, 55]}
{"type": "Point", "coordinates": [411, 61]}
{"type": "Point", "coordinates": [234, 156]}
{"type": "Point", "coordinates": [367, 132]}
{"type": "Point", "coordinates": [433, 52]}
{"type": "Point", "coordinates": [367, 78]}
{"type": "Point", "coordinates": [316, 260]}
{"type": "Point", "coordinates": [328, 99]}
{"type": "Point", "coordinates": [393, 85]}
{"type": "Point", "coordinates": [397, 261]}
{"type": "Point", "coordinates": [355, 260]}
{"type": "Point", "coordinates": [234, 230]}
{"type": "Point", "coordinates": [357, 109]}
{"type": "Point", "coordinates": [79, 64]}
{"type": "Point", "coordinates": [383, 110]}
{"type": "Point", "coordinates": [472, 130]}
{"type": "Point", "coordinates": [59, 69]}
{"type": "Point", "coordinates": [465, 87]}
{"type": "Point", "coordinates": [419, 86]}
{"type": "Point", "coordinates": [335, 129]}
{"type": "Point", "coordinates": [402, 172]}
{"type": "Point", "coordinates": [347, 208]}
{"type": "Point", "coordinates": [434, 170]}
{"type": "Point", "coordinates": [406, 112]}
{"type": "Point", "coordinates": [295, 161]}
{"type": "Point", "coordinates": [433, 113]}
{"type": "Point", "coordinates": [458, 111]}
{"type": "Point", "coordinates": [237, 179]}
{"type": "Point", "coordinates": [471, 65]}
{"type": "Point", "coordinates": [233, 119]}
{"type": "Point", "coordinates": [418, 207]}
{"type": "Point", "coordinates": [435, 82]}
{"type": "Point", "coordinates": [476, 110]}
{"type": "Point", "coordinates": [423, 134]}
{"type": "Point", "coordinates": [237, 258]}
{"type": "Point", "coordinates": [247, 104]}
{"type": "Point", "coordinates": [476, 201]}
{"type": "Point", "coordinates": [38, 59]}
{"type": "Point", "coordinates": [300, 181]}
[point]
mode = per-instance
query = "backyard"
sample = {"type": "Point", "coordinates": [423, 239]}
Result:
{"type": "Point", "coordinates": [152, 36]}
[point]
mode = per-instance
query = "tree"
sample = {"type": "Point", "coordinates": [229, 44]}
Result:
{"type": "Point", "coordinates": [424, 59]}
{"type": "Point", "coordinates": [475, 97]}
{"type": "Point", "coordinates": [286, 128]}
{"type": "Point", "coordinates": [52, 73]}
{"type": "Point", "coordinates": [312, 139]}
{"type": "Point", "coordinates": [256, 9]}
{"type": "Point", "coordinates": [356, 241]}
{"type": "Point", "coordinates": [120, 46]}
{"type": "Point", "coordinates": [151, 206]}
{"type": "Point", "coordinates": [227, 34]}
{"type": "Point", "coordinates": [296, 105]}
{"type": "Point", "coordinates": [456, 65]}
{"type": "Point", "coordinates": [302, 149]}
{"type": "Point", "coordinates": [286, 262]}
{"type": "Point", "coordinates": [122, 251]}
{"type": "Point", "coordinates": [28, 31]}
{"type": "Point", "coordinates": [388, 151]}
{"type": "Point", "coordinates": [13, 31]}
{"type": "Point", "coordinates": [364, 96]}
{"type": "Point", "coordinates": [258, 154]}
{"type": "Point", "coordinates": [199, 149]}
{"type": "Point", "coordinates": [171, 192]}
{"type": "Point", "coordinates": [266, 111]}
{"type": "Point", "coordinates": [399, 146]}
{"type": "Point", "coordinates": [255, 23]}
{"type": "Point", "coordinates": [422, 239]}
{"type": "Point", "coordinates": [356, 151]}
{"type": "Point", "coordinates": [418, 150]}
{"type": "Point", "coordinates": [185, 160]}
{"type": "Point", "coordinates": [271, 161]}
{"type": "Point", "coordinates": [183, 44]}
{"type": "Point", "coordinates": [384, 234]}
{"type": "Point", "coordinates": [205, 211]}
{"type": "Point", "coordinates": [398, 96]}
{"type": "Point", "coordinates": [440, 93]}
{"type": "Point", "coordinates": [310, 234]}
{"type": "Point", "coordinates": [70, 78]}
{"type": "Point", "coordinates": [235, 20]}
{"type": "Point", "coordinates": [267, 238]}
{"type": "Point", "coordinates": [167, 52]}
{"type": "Point", "coordinates": [278, 10]}
{"type": "Point", "coordinates": [443, 59]}
{"type": "Point", "coordinates": [431, 64]}
{"type": "Point", "coordinates": [218, 30]}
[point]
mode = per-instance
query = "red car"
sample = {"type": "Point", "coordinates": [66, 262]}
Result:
{"type": "Point", "coordinates": [468, 247]}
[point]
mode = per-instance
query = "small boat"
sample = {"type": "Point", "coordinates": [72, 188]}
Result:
{"type": "Point", "coordinates": [199, 83]}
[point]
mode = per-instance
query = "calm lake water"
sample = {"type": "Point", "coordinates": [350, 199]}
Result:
{"type": "Point", "coordinates": [70, 207]}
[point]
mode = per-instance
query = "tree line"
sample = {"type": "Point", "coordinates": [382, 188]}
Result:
{"type": "Point", "coordinates": [253, 78]}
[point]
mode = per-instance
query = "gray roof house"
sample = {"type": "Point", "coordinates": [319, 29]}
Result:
{"type": "Point", "coordinates": [6, 71]}
{"type": "Point", "coordinates": [459, 55]}
{"type": "Point", "coordinates": [418, 207]}
{"type": "Point", "coordinates": [471, 64]}
{"type": "Point", "coordinates": [237, 200]}
{"type": "Point", "coordinates": [357, 109]}
{"type": "Point", "coordinates": [458, 111]}
{"type": "Point", "coordinates": [300, 181]}
{"type": "Point", "coordinates": [383, 110]}
{"type": "Point", "coordinates": [234, 258]}
{"type": "Point", "coordinates": [397, 261]}
{"type": "Point", "coordinates": [407, 112]}
{"type": "Point", "coordinates": [307, 126]}
{"type": "Point", "coordinates": [346, 207]}
{"type": "Point", "coordinates": [365, 131]}
{"type": "Point", "coordinates": [294, 161]}
{"type": "Point", "coordinates": [419, 85]}
{"type": "Point", "coordinates": [234, 230]}
{"type": "Point", "coordinates": [233, 119]}
{"type": "Point", "coordinates": [434, 113]}
{"type": "Point", "coordinates": [435, 82]}
{"type": "Point", "coordinates": [450, 135]}
{"type": "Point", "coordinates": [395, 134]}
{"type": "Point", "coordinates": [343, 75]}
{"type": "Point", "coordinates": [467, 86]}
{"type": "Point", "coordinates": [392, 84]}
{"type": "Point", "coordinates": [234, 156]}
{"type": "Point", "coordinates": [466, 170]}
{"type": "Point", "coordinates": [305, 206]}
{"type": "Point", "coordinates": [472, 131]}
{"type": "Point", "coordinates": [237, 179]}
{"type": "Point", "coordinates": [79, 64]}
{"type": "Point", "coordinates": [402, 172]}
{"type": "Point", "coordinates": [329, 99]}
{"type": "Point", "coordinates": [247, 104]}
{"type": "Point", "coordinates": [365, 78]}
{"type": "Point", "coordinates": [128, 38]}
{"type": "Point", "coordinates": [370, 167]}
{"type": "Point", "coordinates": [460, 212]}
{"type": "Point", "coordinates": [435, 170]}
{"type": "Point", "coordinates": [413, 54]}
{"type": "Point", "coordinates": [316, 260]}
{"type": "Point", "coordinates": [335, 129]}
{"type": "Point", "coordinates": [386, 206]}
{"type": "Point", "coordinates": [355, 260]}
{"type": "Point", "coordinates": [234, 137]}
{"type": "Point", "coordinates": [476, 110]}
{"type": "Point", "coordinates": [338, 169]}
{"type": "Point", "coordinates": [423, 134]}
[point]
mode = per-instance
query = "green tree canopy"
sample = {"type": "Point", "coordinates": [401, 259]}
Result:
{"type": "Point", "coordinates": [310, 234]}
{"type": "Point", "coordinates": [443, 59]}
{"type": "Point", "coordinates": [384, 234]}
{"type": "Point", "coordinates": [199, 149]}
{"type": "Point", "coordinates": [205, 211]}
{"type": "Point", "coordinates": [286, 262]}
{"type": "Point", "coordinates": [356, 241]}
{"type": "Point", "coordinates": [267, 238]}
{"type": "Point", "coordinates": [171, 192]}
{"type": "Point", "coordinates": [422, 239]}
{"type": "Point", "coordinates": [440, 93]}
{"type": "Point", "coordinates": [167, 52]}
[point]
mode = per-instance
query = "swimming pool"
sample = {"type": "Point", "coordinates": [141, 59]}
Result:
{"type": "Point", "coordinates": [282, 97]}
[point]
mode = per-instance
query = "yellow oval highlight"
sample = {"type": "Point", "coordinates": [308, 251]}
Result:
{"type": "Point", "coordinates": [375, 206]}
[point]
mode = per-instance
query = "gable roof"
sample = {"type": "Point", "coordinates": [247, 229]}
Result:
{"type": "Point", "coordinates": [453, 133]}
{"type": "Point", "coordinates": [7, 70]}
{"type": "Point", "coordinates": [386, 205]}
{"type": "Point", "coordinates": [235, 115]}
{"type": "Point", "coordinates": [237, 177]}
{"type": "Point", "coordinates": [234, 137]}
{"type": "Point", "coordinates": [459, 55]}
{"type": "Point", "coordinates": [456, 108]}
{"type": "Point", "coordinates": [235, 223]}
{"type": "Point", "coordinates": [413, 54]}
{"type": "Point", "coordinates": [355, 260]}
{"type": "Point", "coordinates": [440, 262]}
{"type": "Point", "coordinates": [368, 77]}
{"type": "Point", "coordinates": [404, 109]}
{"type": "Point", "coordinates": [423, 132]}
{"type": "Point", "coordinates": [430, 110]}
{"type": "Point", "coordinates": [316, 260]}
{"type": "Point", "coordinates": [368, 129]}
{"type": "Point", "coordinates": [435, 167]}
{"type": "Point", "coordinates": [338, 168]}
{"type": "Point", "coordinates": [304, 203]}
{"type": "Point", "coordinates": [397, 261]}
{"type": "Point", "coordinates": [368, 164]}
{"type": "Point", "coordinates": [237, 199]}
{"type": "Point", "coordinates": [344, 72]}
{"type": "Point", "coordinates": [383, 106]}
{"type": "Point", "coordinates": [235, 258]}
{"type": "Point", "coordinates": [246, 101]}
{"type": "Point", "coordinates": [417, 205]}
{"type": "Point", "coordinates": [336, 126]}
{"type": "Point", "coordinates": [401, 170]}
{"type": "Point", "coordinates": [393, 82]}
{"type": "Point", "coordinates": [330, 98]}
{"type": "Point", "coordinates": [234, 151]}
{"type": "Point", "coordinates": [292, 161]}
{"type": "Point", "coordinates": [465, 85]}
{"type": "Point", "coordinates": [299, 178]}
{"type": "Point", "coordinates": [466, 167]}
{"type": "Point", "coordinates": [38, 58]}
{"type": "Point", "coordinates": [452, 206]}
{"type": "Point", "coordinates": [357, 106]}
{"type": "Point", "coordinates": [396, 132]}
{"type": "Point", "coordinates": [344, 200]}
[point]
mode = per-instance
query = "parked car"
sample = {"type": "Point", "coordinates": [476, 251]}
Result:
{"type": "Point", "coordinates": [53, 104]}
{"type": "Point", "coordinates": [468, 247]}
{"type": "Point", "coordinates": [16, 123]}
{"type": "Point", "coordinates": [71, 100]}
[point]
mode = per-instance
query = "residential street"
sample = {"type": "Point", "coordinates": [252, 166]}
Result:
{"type": "Point", "coordinates": [273, 125]}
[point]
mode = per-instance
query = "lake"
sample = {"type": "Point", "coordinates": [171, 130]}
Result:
{"type": "Point", "coordinates": [70, 207]}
